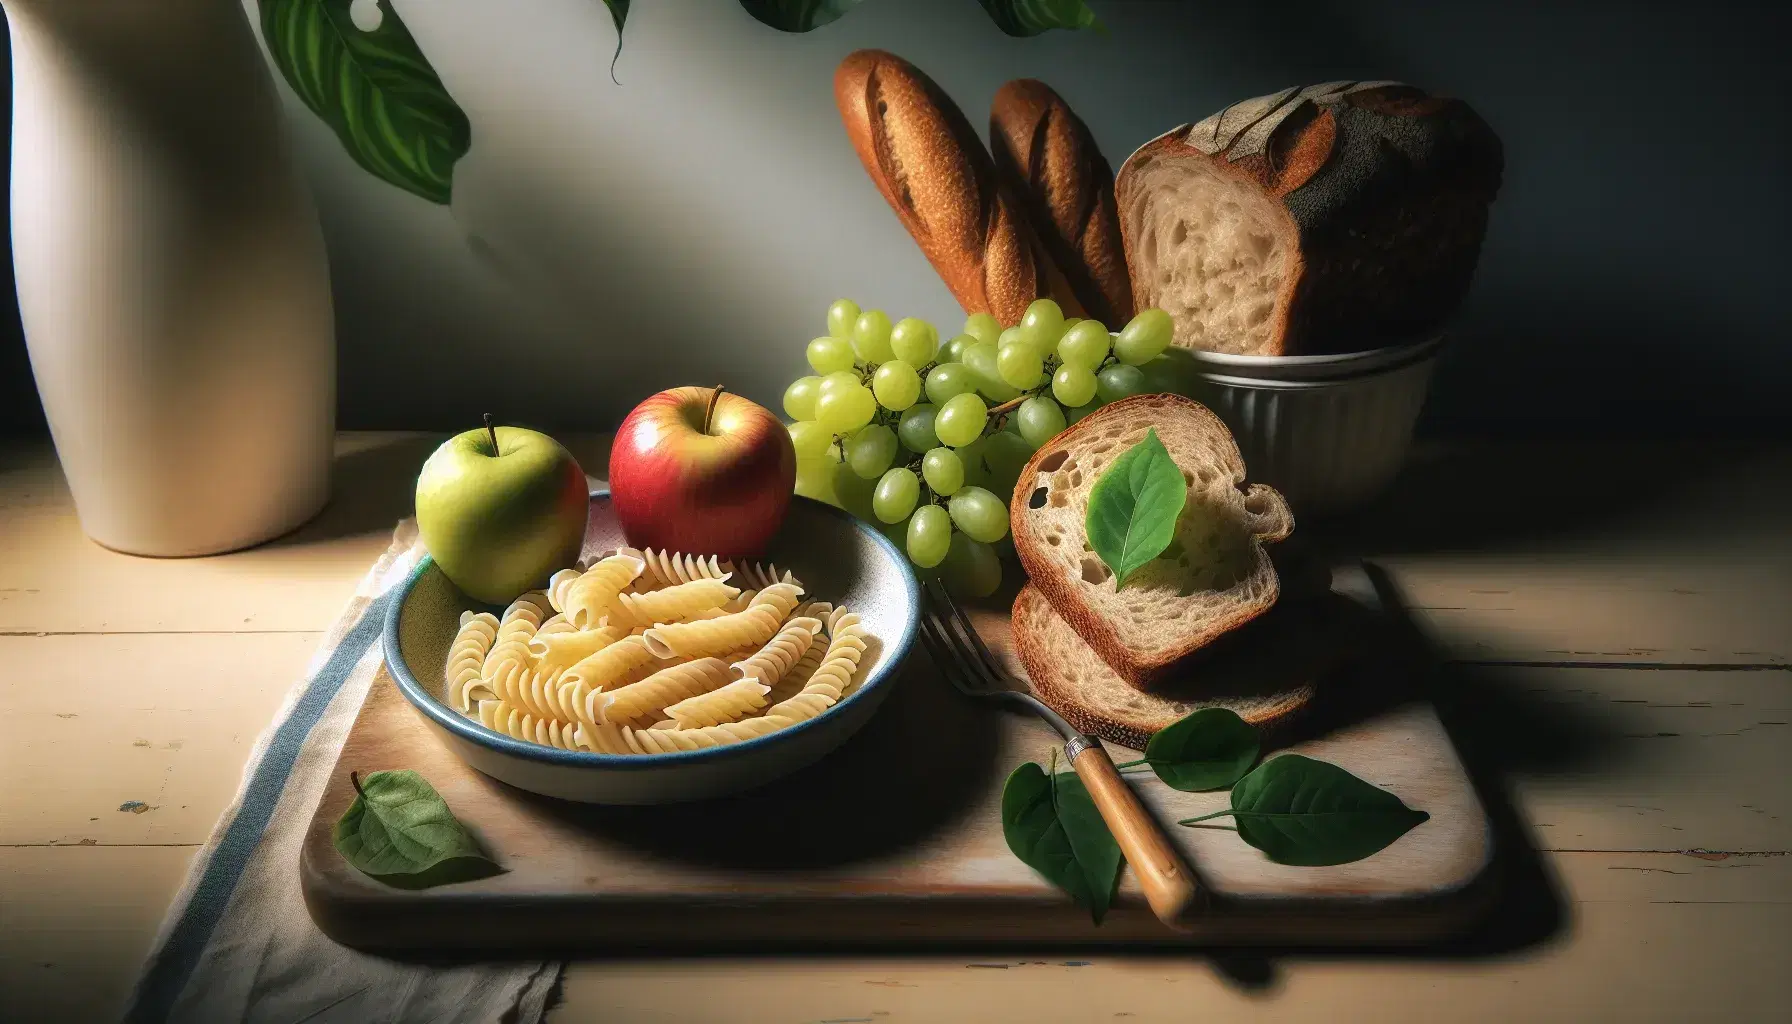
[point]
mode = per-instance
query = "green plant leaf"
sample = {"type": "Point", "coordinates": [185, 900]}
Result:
{"type": "Point", "coordinates": [1097, 854]}
{"type": "Point", "coordinates": [797, 15]}
{"type": "Point", "coordinates": [618, 14]}
{"type": "Point", "coordinates": [400, 831]}
{"type": "Point", "coordinates": [1210, 748]}
{"type": "Point", "coordinates": [1134, 506]}
{"type": "Point", "coordinates": [1040, 815]}
{"type": "Point", "coordinates": [374, 88]}
{"type": "Point", "coordinates": [1031, 17]}
{"type": "Point", "coordinates": [1306, 812]}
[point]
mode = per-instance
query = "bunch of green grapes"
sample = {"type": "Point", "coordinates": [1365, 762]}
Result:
{"type": "Point", "coordinates": [927, 441]}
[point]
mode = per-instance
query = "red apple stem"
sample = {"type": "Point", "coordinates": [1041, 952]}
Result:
{"type": "Point", "coordinates": [710, 410]}
{"type": "Point", "coordinates": [493, 431]}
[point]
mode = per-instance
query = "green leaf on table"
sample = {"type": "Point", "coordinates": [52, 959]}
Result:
{"type": "Point", "coordinates": [1054, 829]}
{"type": "Point", "coordinates": [797, 15]}
{"type": "Point", "coordinates": [1031, 17]}
{"type": "Point", "coordinates": [1306, 812]}
{"type": "Point", "coordinates": [1210, 748]}
{"type": "Point", "coordinates": [373, 87]}
{"type": "Point", "coordinates": [1134, 506]}
{"type": "Point", "coordinates": [400, 831]}
{"type": "Point", "coordinates": [618, 14]}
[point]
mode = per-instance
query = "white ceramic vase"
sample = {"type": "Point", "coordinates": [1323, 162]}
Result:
{"type": "Point", "coordinates": [171, 274]}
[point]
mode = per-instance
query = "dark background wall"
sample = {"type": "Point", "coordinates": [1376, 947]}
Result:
{"type": "Point", "coordinates": [693, 222]}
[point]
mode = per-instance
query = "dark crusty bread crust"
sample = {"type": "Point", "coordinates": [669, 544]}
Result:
{"type": "Point", "coordinates": [1070, 678]}
{"type": "Point", "coordinates": [1046, 157]}
{"type": "Point", "coordinates": [1169, 611]}
{"type": "Point", "coordinates": [930, 166]}
{"type": "Point", "coordinates": [1382, 190]}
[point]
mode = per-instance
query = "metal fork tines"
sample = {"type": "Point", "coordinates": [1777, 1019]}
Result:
{"type": "Point", "coordinates": [962, 658]}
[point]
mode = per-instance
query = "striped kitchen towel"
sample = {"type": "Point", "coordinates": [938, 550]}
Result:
{"type": "Point", "coordinates": [238, 944]}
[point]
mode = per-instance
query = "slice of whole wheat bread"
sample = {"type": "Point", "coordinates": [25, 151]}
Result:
{"type": "Point", "coordinates": [1215, 575]}
{"type": "Point", "coordinates": [1067, 675]}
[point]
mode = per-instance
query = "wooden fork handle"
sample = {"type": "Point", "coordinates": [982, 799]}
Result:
{"type": "Point", "coordinates": [1168, 883]}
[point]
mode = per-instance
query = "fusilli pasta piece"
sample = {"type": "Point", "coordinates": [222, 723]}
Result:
{"type": "Point", "coordinates": [586, 598]}
{"type": "Point", "coordinates": [709, 637]}
{"type": "Point", "coordinates": [724, 704]}
{"type": "Point", "coordinates": [792, 682]}
{"type": "Point", "coordinates": [670, 741]}
{"type": "Point", "coordinates": [677, 603]}
{"type": "Point", "coordinates": [667, 569]}
{"type": "Point", "coordinates": [509, 664]}
{"type": "Point", "coordinates": [835, 674]}
{"type": "Point", "coordinates": [558, 623]}
{"type": "Point", "coordinates": [769, 663]}
{"type": "Point", "coordinates": [567, 648]}
{"type": "Point", "coordinates": [466, 657]}
{"type": "Point", "coordinates": [653, 694]}
{"type": "Point", "coordinates": [501, 716]}
{"type": "Point", "coordinates": [622, 663]}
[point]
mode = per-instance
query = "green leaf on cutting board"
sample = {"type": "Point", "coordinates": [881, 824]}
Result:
{"type": "Point", "coordinates": [373, 87]}
{"type": "Point", "coordinates": [1133, 507]}
{"type": "Point", "coordinates": [1210, 748]}
{"type": "Point", "coordinates": [400, 831]}
{"type": "Point", "coordinates": [1052, 825]}
{"type": "Point", "coordinates": [1031, 17]}
{"type": "Point", "coordinates": [797, 15]}
{"type": "Point", "coordinates": [1312, 813]}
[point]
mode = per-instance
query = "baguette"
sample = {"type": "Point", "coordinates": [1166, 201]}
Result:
{"type": "Point", "coordinates": [1215, 576]}
{"type": "Point", "coordinates": [931, 168]}
{"type": "Point", "coordinates": [1334, 218]}
{"type": "Point", "coordinates": [1047, 159]}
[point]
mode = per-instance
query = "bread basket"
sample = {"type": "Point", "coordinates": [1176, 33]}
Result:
{"type": "Point", "coordinates": [1329, 431]}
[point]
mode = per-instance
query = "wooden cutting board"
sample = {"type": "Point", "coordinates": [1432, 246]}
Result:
{"type": "Point", "coordinates": [895, 840]}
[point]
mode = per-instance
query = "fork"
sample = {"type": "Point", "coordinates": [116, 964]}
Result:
{"type": "Point", "coordinates": [966, 663]}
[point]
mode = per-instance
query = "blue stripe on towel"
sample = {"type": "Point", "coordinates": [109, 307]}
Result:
{"type": "Point", "coordinates": [167, 976]}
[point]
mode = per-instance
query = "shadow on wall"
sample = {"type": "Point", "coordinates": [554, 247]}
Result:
{"type": "Point", "coordinates": [691, 224]}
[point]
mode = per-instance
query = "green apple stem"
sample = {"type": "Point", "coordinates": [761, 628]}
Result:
{"type": "Point", "coordinates": [493, 431]}
{"type": "Point", "coordinates": [710, 410]}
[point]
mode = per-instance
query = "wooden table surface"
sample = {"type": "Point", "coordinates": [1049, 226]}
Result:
{"type": "Point", "coordinates": [1616, 622]}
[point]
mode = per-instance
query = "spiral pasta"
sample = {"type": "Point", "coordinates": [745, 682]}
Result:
{"type": "Point", "coordinates": [710, 637]}
{"type": "Point", "coordinates": [769, 663]}
{"type": "Point", "coordinates": [586, 597]}
{"type": "Point", "coordinates": [671, 741]}
{"type": "Point", "coordinates": [677, 603]}
{"type": "Point", "coordinates": [651, 695]}
{"type": "Point", "coordinates": [622, 663]}
{"type": "Point", "coordinates": [792, 682]}
{"type": "Point", "coordinates": [509, 663]}
{"type": "Point", "coordinates": [666, 569]}
{"type": "Point", "coordinates": [832, 677]}
{"type": "Point", "coordinates": [724, 704]}
{"type": "Point", "coordinates": [466, 657]}
{"type": "Point", "coordinates": [500, 716]}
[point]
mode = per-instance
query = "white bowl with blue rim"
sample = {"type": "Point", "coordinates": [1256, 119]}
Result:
{"type": "Point", "coordinates": [837, 558]}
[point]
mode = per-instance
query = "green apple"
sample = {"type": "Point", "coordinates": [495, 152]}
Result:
{"type": "Point", "coordinates": [501, 509]}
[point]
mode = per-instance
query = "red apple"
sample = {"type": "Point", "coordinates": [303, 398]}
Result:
{"type": "Point", "coordinates": [702, 471]}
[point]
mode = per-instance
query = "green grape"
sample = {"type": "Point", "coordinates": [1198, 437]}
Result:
{"type": "Point", "coordinates": [943, 470]}
{"type": "Point", "coordinates": [800, 396]}
{"type": "Point", "coordinates": [896, 385]}
{"type": "Point", "coordinates": [896, 494]}
{"type": "Point", "coordinates": [1013, 336]}
{"type": "Point", "coordinates": [1174, 371]}
{"type": "Point", "coordinates": [829, 354]}
{"type": "Point", "coordinates": [915, 428]}
{"type": "Point", "coordinates": [983, 327]}
{"type": "Point", "coordinates": [845, 410]}
{"type": "Point", "coordinates": [871, 336]}
{"type": "Point", "coordinates": [853, 492]}
{"type": "Point", "coordinates": [1118, 381]}
{"type": "Point", "coordinates": [809, 438]}
{"type": "Point", "coordinates": [929, 536]}
{"type": "Point", "coordinates": [870, 451]}
{"type": "Point", "coordinates": [1004, 455]}
{"type": "Point", "coordinates": [979, 513]}
{"type": "Point", "coordinates": [971, 569]}
{"type": "Point", "coordinates": [1084, 345]}
{"type": "Point", "coordinates": [1144, 338]}
{"type": "Point", "coordinates": [947, 380]}
{"type": "Point", "coordinates": [1045, 321]}
{"type": "Point", "coordinates": [1071, 321]}
{"type": "Point", "coordinates": [961, 419]}
{"type": "Point", "coordinates": [815, 479]}
{"type": "Point", "coordinates": [914, 341]}
{"type": "Point", "coordinates": [981, 360]}
{"type": "Point", "coordinates": [1073, 385]}
{"type": "Point", "coordinates": [953, 351]}
{"type": "Point", "coordinates": [841, 316]}
{"type": "Point", "coordinates": [1020, 365]}
{"type": "Point", "coordinates": [839, 380]}
{"type": "Point", "coordinates": [1040, 420]}
{"type": "Point", "coordinates": [1076, 414]}
{"type": "Point", "coordinates": [976, 469]}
